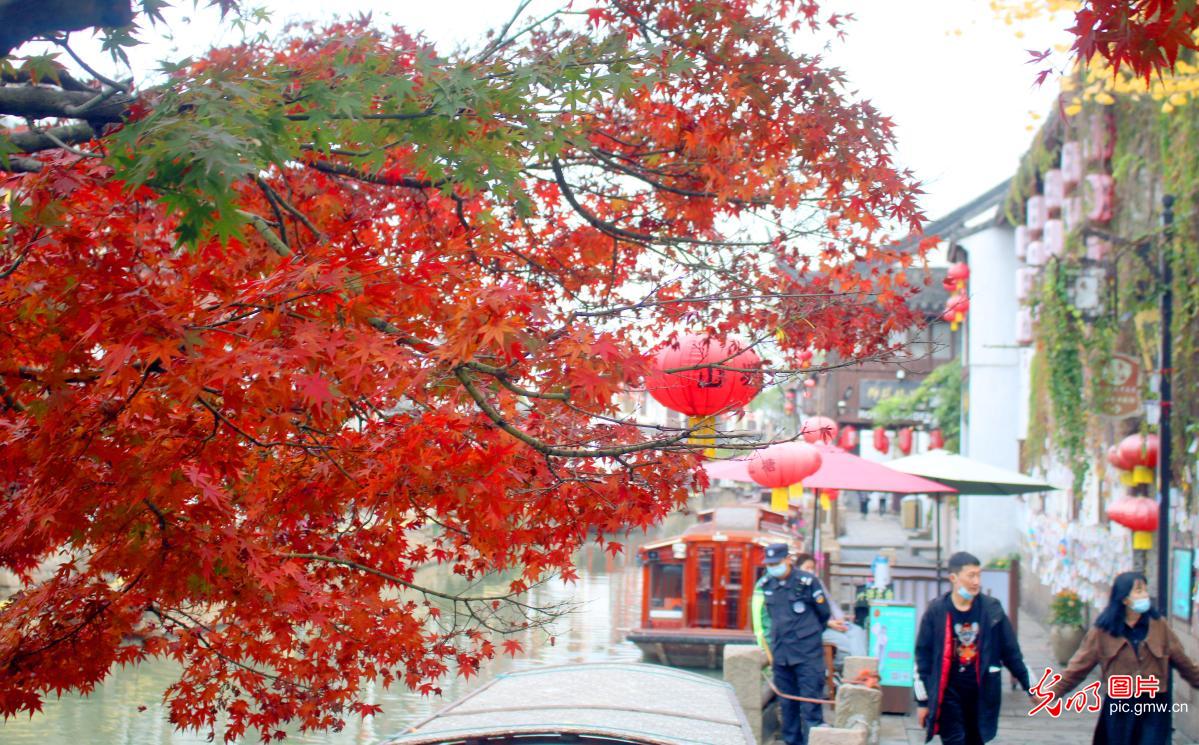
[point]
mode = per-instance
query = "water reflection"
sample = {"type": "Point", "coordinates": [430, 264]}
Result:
{"type": "Point", "coordinates": [128, 709]}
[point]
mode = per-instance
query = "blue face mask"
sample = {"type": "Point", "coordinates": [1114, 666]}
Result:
{"type": "Point", "coordinates": [1140, 605]}
{"type": "Point", "coordinates": [776, 570]}
{"type": "Point", "coordinates": [965, 594]}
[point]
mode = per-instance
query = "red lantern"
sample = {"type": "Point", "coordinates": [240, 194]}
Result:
{"type": "Point", "coordinates": [956, 277]}
{"type": "Point", "coordinates": [936, 440]}
{"type": "Point", "coordinates": [1117, 459]}
{"type": "Point", "coordinates": [805, 358]}
{"type": "Point", "coordinates": [704, 391]}
{"type": "Point", "coordinates": [810, 383]}
{"type": "Point", "coordinates": [882, 443]}
{"type": "Point", "coordinates": [956, 308]}
{"type": "Point", "coordinates": [782, 467]}
{"type": "Point", "coordinates": [903, 440]}
{"type": "Point", "coordinates": [1135, 513]}
{"type": "Point", "coordinates": [848, 439]}
{"type": "Point", "coordinates": [1140, 451]}
{"type": "Point", "coordinates": [819, 429]}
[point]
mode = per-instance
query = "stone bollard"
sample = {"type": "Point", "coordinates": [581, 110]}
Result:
{"type": "Point", "coordinates": [859, 707]}
{"type": "Point", "coordinates": [836, 736]}
{"type": "Point", "coordinates": [854, 665]}
{"type": "Point", "coordinates": [743, 665]}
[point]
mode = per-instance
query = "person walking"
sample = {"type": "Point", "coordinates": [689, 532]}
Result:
{"type": "Point", "coordinates": [1130, 641]}
{"type": "Point", "coordinates": [882, 504]}
{"type": "Point", "coordinates": [864, 504]}
{"type": "Point", "coordinates": [963, 641]}
{"type": "Point", "coordinates": [790, 611]}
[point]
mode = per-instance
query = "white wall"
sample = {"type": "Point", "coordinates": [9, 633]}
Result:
{"type": "Point", "coordinates": [989, 526]}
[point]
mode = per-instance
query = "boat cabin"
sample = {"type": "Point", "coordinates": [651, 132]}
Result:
{"type": "Point", "coordinates": [696, 587]}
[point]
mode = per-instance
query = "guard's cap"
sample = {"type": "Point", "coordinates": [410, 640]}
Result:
{"type": "Point", "coordinates": [776, 552]}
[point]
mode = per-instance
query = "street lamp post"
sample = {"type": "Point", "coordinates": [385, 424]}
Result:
{"type": "Point", "coordinates": [1165, 369]}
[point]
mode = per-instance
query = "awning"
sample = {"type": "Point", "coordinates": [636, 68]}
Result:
{"type": "Point", "coordinates": [840, 470]}
{"type": "Point", "coordinates": [969, 477]}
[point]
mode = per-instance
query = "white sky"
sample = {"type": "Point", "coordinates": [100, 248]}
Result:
{"type": "Point", "coordinates": [955, 80]}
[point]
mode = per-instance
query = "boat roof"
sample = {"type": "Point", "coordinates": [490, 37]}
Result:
{"type": "Point", "coordinates": [594, 702]}
{"type": "Point", "coordinates": [737, 524]}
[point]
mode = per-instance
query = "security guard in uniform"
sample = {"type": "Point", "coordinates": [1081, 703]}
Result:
{"type": "Point", "coordinates": [790, 612]}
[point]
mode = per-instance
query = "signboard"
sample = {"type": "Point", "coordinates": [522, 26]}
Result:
{"type": "Point", "coordinates": [870, 392]}
{"type": "Point", "coordinates": [1120, 385]}
{"type": "Point", "coordinates": [893, 642]}
{"type": "Point", "coordinates": [1180, 593]}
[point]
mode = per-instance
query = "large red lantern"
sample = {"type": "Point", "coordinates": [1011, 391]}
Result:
{"type": "Point", "coordinates": [703, 392]}
{"type": "Point", "coordinates": [1138, 514]}
{"type": "Point", "coordinates": [882, 442]}
{"type": "Point", "coordinates": [903, 440]}
{"type": "Point", "coordinates": [783, 467]}
{"type": "Point", "coordinates": [819, 429]}
{"type": "Point", "coordinates": [936, 440]}
{"type": "Point", "coordinates": [848, 439]}
{"type": "Point", "coordinates": [1140, 451]}
{"type": "Point", "coordinates": [956, 277]}
{"type": "Point", "coordinates": [956, 308]}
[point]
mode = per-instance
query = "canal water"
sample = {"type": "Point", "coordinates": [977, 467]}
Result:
{"type": "Point", "coordinates": [127, 709]}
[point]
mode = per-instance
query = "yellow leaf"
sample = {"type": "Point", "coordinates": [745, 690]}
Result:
{"type": "Point", "coordinates": [1105, 98]}
{"type": "Point", "coordinates": [1073, 109]}
{"type": "Point", "coordinates": [1178, 99]}
{"type": "Point", "coordinates": [1167, 108]}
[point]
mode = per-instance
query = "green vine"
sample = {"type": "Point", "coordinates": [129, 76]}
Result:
{"type": "Point", "coordinates": [939, 394]}
{"type": "Point", "coordinates": [1060, 328]}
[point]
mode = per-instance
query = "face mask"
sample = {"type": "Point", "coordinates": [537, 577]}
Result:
{"type": "Point", "coordinates": [965, 594]}
{"type": "Point", "coordinates": [776, 570]}
{"type": "Point", "coordinates": [1140, 605]}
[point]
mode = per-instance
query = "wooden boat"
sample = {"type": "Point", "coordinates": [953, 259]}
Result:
{"type": "Point", "coordinates": [696, 588]}
{"type": "Point", "coordinates": [609, 703]}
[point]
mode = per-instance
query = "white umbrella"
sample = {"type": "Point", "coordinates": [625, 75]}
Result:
{"type": "Point", "coordinates": [969, 477]}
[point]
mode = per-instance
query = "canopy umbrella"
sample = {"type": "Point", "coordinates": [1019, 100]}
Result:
{"type": "Point", "coordinates": [842, 470]}
{"type": "Point", "coordinates": [967, 476]}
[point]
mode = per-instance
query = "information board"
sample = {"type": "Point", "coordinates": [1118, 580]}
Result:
{"type": "Point", "coordinates": [1180, 594]}
{"type": "Point", "coordinates": [893, 642]}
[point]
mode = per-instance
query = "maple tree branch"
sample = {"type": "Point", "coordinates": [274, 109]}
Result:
{"type": "Point", "coordinates": [42, 103]}
{"type": "Point", "coordinates": [51, 138]}
{"type": "Point", "coordinates": [338, 169]}
{"type": "Point", "coordinates": [546, 448]}
{"type": "Point", "coordinates": [504, 379]}
{"type": "Point", "coordinates": [288, 207]}
{"type": "Point", "coordinates": [399, 581]}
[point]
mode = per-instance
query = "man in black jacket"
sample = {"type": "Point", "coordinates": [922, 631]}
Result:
{"type": "Point", "coordinates": [964, 639]}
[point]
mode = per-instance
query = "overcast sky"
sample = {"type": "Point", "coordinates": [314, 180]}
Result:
{"type": "Point", "coordinates": [955, 80]}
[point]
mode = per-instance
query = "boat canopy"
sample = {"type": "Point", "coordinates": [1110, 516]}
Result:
{"type": "Point", "coordinates": [611, 703]}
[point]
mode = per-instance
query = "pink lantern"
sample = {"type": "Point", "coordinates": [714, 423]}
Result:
{"type": "Point", "coordinates": [1071, 165]}
{"type": "Point", "coordinates": [1098, 197]}
{"type": "Point", "coordinates": [1024, 336]}
{"type": "Point", "coordinates": [1055, 191]}
{"type": "Point", "coordinates": [1036, 254]}
{"type": "Point", "coordinates": [1026, 280]}
{"type": "Point", "coordinates": [1101, 139]}
{"type": "Point", "coordinates": [819, 429]}
{"type": "Point", "coordinates": [704, 391]}
{"type": "Point", "coordinates": [1054, 238]}
{"type": "Point", "coordinates": [1035, 215]}
{"type": "Point", "coordinates": [1072, 213]}
{"type": "Point", "coordinates": [1021, 241]}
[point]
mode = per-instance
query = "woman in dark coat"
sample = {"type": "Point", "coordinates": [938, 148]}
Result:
{"type": "Point", "coordinates": [1130, 638]}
